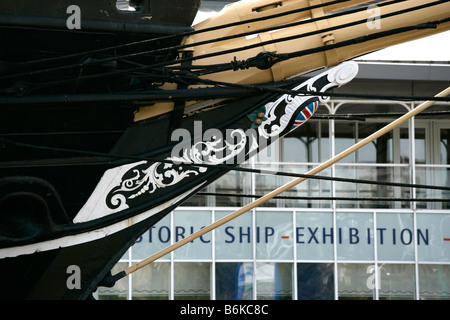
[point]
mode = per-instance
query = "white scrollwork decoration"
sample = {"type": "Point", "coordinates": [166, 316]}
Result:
{"type": "Point", "coordinates": [275, 124]}
{"type": "Point", "coordinates": [143, 179]}
{"type": "Point", "coordinates": [213, 152]}
{"type": "Point", "coordinates": [123, 185]}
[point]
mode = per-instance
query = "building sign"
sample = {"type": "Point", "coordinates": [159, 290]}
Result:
{"type": "Point", "coordinates": [306, 236]}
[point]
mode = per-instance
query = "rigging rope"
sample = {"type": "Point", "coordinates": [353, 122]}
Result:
{"type": "Point", "coordinates": [375, 199]}
{"type": "Point", "coordinates": [271, 58]}
{"type": "Point", "coordinates": [275, 58]}
{"type": "Point", "coordinates": [262, 88]}
{"type": "Point", "coordinates": [260, 201]}
{"type": "Point", "coordinates": [7, 142]}
{"type": "Point", "coordinates": [220, 90]}
{"type": "Point", "coordinates": [190, 33]}
{"type": "Point", "coordinates": [279, 57]}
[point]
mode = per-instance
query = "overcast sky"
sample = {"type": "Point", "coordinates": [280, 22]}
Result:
{"type": "Point", "coordinates": [434, 48]}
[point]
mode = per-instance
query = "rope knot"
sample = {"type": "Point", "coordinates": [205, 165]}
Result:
{"type": "Point", "coordinates": [264, 60]}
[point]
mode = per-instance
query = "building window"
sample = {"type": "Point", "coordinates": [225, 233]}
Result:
{"type": "Point", "coordinates": [444, 146]}
{"type": "Point", "coordinates": [308, 143]}
{"type": "Point", "coordinates": [192, 281]}
{"type": "Point", "coordinates": [152, 282]}
{"type": "Point", "coordinates": [357, 254]}
{"type": "Point", "coordinates": [315, 281]}
{"type": "Point", "coordinates": [354, 236]}
{"type": "Point", "coordinates": [234, 240]}
{"type": "Point", "coordinates": [274, 281]}
{"type": "Point", "coordinates": [434, 282]}
{"type": "Point", "coordinates": [320, 240]}
{"type": "Point", "coordinates": [395, 282]}
{"type": "Point", "coordinates": [120, 291]}
{"type": "Point", "coordinates": [234, 281]}
{"type": "Point", "coordinates": [395, 234]}
{"type": "Point", "coordinates": [356, 281]}
{"type": "Point", "coordinates": [274, 236]}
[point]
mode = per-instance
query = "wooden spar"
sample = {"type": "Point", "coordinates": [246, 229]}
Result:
{"type": "Point", "coordinates": [430, 10]}
{"type": "Point", "coordinates": [283, 188]}
{"type": "Point", "coordinates": [414, 12]}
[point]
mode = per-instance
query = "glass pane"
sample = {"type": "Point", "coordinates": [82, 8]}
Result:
{"type": "Point", "coordinates": [308, 143]}
{"type": "Point", "coordinates": [234, 240]}
{"type": "Point", "coordinates": [234, 281]}
{"type": "Point", "coordinates": [152, 282]}
{"type": "Point", "coordinates": [295, 150]}
{"type": "Point", "coordinates": [230, 187]}
{"type": "Point", "coordinates": [186, 223]}
{"type": "Point", "coordinates": [374, 191]}
{"type": "Point", "coordinates": [433, 177]}
{"type": "Point", "coordinates": [119, 291]}
{"type": "Point", "coordinates": [308, 194]}
{"type": "Point", "coordinates": [366, 195]}
{"type": "Point", "coordinates": [379, 150]}
{"type": "Point", "coordinates": [312, 193]}
{"type": "Point", "coordinates": [396, 282]}
{"type": "Point", "coordinates": [154, 240]}
{"type": "Point", "coordinates": [434, 282]}
{"type": "Point", "coordinates": [345, 137]}
{"type": "Point", "coordinates": [314, 236]}
{"type": "Point", "coordinates": [274, 237]}
{"type": "Point", "coordinates": [420, 146]}
{"type": "Point", "coordinates": [355, 236]}
{"type": "Point", "coordinates": [269, 154]}
{"type": "Point", "coordinates": [199, 200]}
{"type": "Point", "coordinates": [345, 189]}
{"type": "Point", "coordinates": [403, 151]}
{"type": "Point", "coordinates": [265, 183]}
{"type": "Point", "coordinates": [274, 281]}
{"type": "Point", "coordinates": [444, 146]}
{"type": "Point", "coordinates": [192, 281]}
{"type": "Point", "coordinates": [315, 281]}
{"type": "Point", "coordinates": [395, 235]}
{"type": "Point", "coordinates": [356, 281]}
{"type": "Point", "coordinates": [433, 237]}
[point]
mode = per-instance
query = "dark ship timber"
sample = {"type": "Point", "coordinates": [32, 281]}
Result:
{"type": "Point", "coordinates": [110, 119]}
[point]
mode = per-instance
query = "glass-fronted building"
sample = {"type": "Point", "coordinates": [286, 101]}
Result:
{"type": "Point", "coordinates": [379, 230]}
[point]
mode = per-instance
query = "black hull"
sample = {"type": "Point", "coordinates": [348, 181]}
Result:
{"type": "Point", "coordinates": [80, 181]}
{"type": "Point", "coordinates": [43, 275]}
{"type": "Point", "coordinates": [68, 38]}
{"type": "Point", "coordinates": [46, 275]}
{"type": "Point", "coordinates": [71, 178]}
